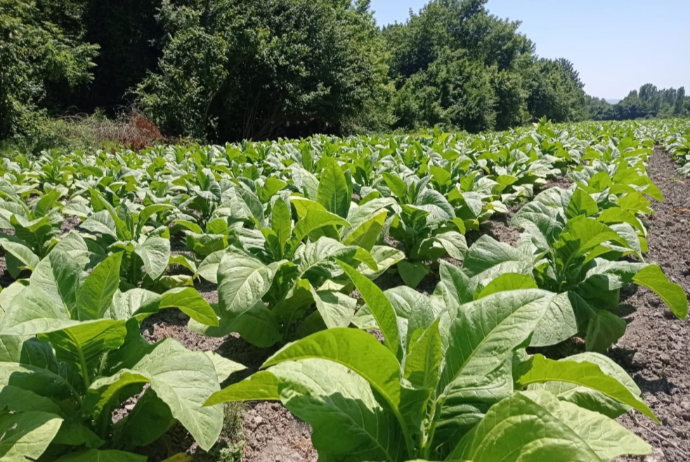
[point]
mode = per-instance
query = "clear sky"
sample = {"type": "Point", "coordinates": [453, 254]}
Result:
{"type": "Point", "coordinates": [616, 45]}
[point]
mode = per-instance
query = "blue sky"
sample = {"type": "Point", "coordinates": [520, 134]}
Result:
{"type": "Point", "coordinates": [616, 45]}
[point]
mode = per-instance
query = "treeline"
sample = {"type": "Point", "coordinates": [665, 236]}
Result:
{"type": "Point", "coordinates": [648, 102]}
{"type": "Point", "coordinates": [225, 70]}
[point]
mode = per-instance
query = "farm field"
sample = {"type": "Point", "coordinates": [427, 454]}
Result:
{"type": "Point", "coordinates": [378, 298]}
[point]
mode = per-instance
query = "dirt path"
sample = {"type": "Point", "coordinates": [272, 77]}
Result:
{"type": "Point", "coordinates": [655, 349]}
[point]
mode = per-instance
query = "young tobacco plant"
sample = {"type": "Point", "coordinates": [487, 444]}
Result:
{"type": "Point", "coordinates": [578, 249]}
{"type": "Point", "coordinates": [451, 382]}
{"type": "Point", "coordinates": [425, 224]}
{"type": "Point", "coordinates": [145, 249]}
{"type": "Point", "coordinates": [277, 284]}
{"type": "Point", "coordinates": [71, 353]}
{"type": "Point", "coordinates": [35, 228]}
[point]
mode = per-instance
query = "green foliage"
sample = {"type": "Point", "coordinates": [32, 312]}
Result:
{"type": "Point", "coordinates": [292, 65]}
{"type": "Point", "coordinates": [459, 66]}
{"type": "Point", "coordinates": [72, 354]}
{"type": "Point", "coordinates": [648, 102]}
{"type": "Point", "coordinates": [294, 234]}
{"type": "Point", "coordinates": [36, 52]}
{"type": "Point", "coordinates": [441, 383]}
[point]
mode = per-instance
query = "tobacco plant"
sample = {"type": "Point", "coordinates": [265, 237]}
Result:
{"type": "Point", "coordinates": [72, 354]}
{"type": "Point", "coordinates": [450, 382]}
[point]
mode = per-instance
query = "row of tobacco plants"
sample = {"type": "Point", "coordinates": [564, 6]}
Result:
{"type": "Point", "coordinates": [295, 234]}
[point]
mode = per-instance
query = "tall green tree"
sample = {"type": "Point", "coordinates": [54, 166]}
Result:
{"type": "Point", "coordinates": [264, 68]}
{"type": "Point", "coordinates": [555, 92]}
{"type": "Point", "coordinates": [35, 53]}
{"type": "Point", "coordinates": [456, 64]}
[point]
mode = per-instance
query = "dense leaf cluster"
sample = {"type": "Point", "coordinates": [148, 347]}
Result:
{"type": "Point", "coordinates": [294, 234]}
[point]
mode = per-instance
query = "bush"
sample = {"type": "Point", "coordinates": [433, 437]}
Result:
{"type": "Point", "coordinates": [87, 133]}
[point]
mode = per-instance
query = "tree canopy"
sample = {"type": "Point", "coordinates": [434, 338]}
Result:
{"type": "Point", "coordinates": [226, 70]}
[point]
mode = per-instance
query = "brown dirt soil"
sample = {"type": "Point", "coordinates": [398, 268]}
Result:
{"type": "Point", "coordinates": [562, 182]}
{"type": "Point", "coordinates": [656, 345]}
{"type": "Point", "coordinates": [69, 224]}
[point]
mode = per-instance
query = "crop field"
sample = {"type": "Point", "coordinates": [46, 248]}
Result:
{"type": "Point", "coordinates": [513, 296]}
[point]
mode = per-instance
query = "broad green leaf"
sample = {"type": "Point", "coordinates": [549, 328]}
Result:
{"type": "Point", "coordinates": [46, 203]}
{"type": "Point", "coordinates": [314, 220]}
{"type": "Point", "coordinates": [155, 254]}
{"type": "Point", "coordinates": [441, 176]}
{"type": "Point", "coordinates": [536, 426]}
{"type": "Point", "coordinates": [33, 312]}
{"type": "Point", "coordinates": [8, 294]}
{"type": "Point", "coordinates": [208, 269]}
{"type": "Point", "coordinates": [366, 234]}
{"type": "Point", "coordinates": [488, 258]}
{"type": "Point", "coordinates": [581, 235]}
{"type": "Point", "coordinates": [191, 303]}
{"type": "Point", "coordinates": [396, 185]}
{"type": "Point", "coordinates": [333, 192]}
{"type": "Point", "coordinates": [424, 359]}
{"type": "Point", "coordinates": [454, 243]}
{"type": "Point", "coordinates": [184, 261]}
{"type": "Point", "coordinates": [242, 282]}
{"type": "Point", "coordinates": [540, 370]}
{"type": "Point", "coordinates": [342, 409]}
{"type": "Point", "coordinates": [672, 294]}
{"type": "Point", "coordinates": [16, 399]}
{"type": "Point", "coordinates": [281, 223]}
{"type": "Point", "coordinates": [96, 294]}
{"type": "Point", "coordinates": [105, 393]}
{"type": "Point", "coordinates": [26, 435]}
{"type": "Point", "coordinates": [224, 367]}
{"type": "Point", "coordinates": [336, 309]}
{"type": "Point", "coordinates": [506, 282]}
{"type": "Point", "coordinates": [482, 338]}
{"type": "Point", "coordinates": [385, 257]}
{"type": "Point", "coordinates": [618, 215]}
{"type": "Point", "coordinates": [83, 345]}
{"type": "Point", "coordinates": [59, 276]}
{"type": "Point", "coordinates": [380, 307]}
{"type": "Point", "coordinates": [455, 286]}
{"type": "Point", "coordinates": [257, 326]}
{"type": "Point", "coordinates": [262, 386]}
{"type": "Point", "coordinates": [603, 330]}
{"type": "Point", "coordinates": [193, 227]}
{"type": "Point", "coordinates": [97, 455]}
{"type": "Point", "coordinates": [563, 314]}
{"type": "Point", "coordinates": [412, 273]}
{"type": "Point", "coordinates": [134, 302]}
{"type": "Point", "coordinates": [354, 349]}
{"type": "Point", "coordinates": [24, 258]}
{"type": "Point", "coordinates": [170, 367]}
{"type": "Point", "coordinates": [148, 212]}
{"type": "Point", "coordinates": [581, 203]}
{"type": "Point", "coordinates": [438, 206]}
{"type": "Point", "coordinates": [150, 419]}
{"type": "Point", "coordinates": [588, 398]}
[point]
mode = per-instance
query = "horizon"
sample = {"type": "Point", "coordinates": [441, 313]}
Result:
{"type": "Point", "coordinates": [620, 37]}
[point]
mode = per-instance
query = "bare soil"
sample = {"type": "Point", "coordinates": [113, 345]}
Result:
{"type": "Point", "coordinates": [655, 348]}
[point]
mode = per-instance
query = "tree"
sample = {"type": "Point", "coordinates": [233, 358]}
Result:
{"type": "Point", "coordinates": [450, 36]}
{"type": "Point", "coordinates": [265, 68]}
{"type": "Point", "coordinates": [455, 91]}
{"type": "Point", "coordinates": [680, 99]}
{"type": "Point", "coordinates": [555, 93]}
{"type": "Point", "coordinates": [34, 53]}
